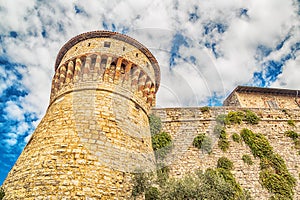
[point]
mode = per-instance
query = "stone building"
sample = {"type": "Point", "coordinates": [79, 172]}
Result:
{"type": "Point", "coordinates": [256, 97]}
{"type": "Point", "coordinates": [95, 132]}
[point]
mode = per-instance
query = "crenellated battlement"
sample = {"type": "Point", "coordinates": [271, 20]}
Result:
{"type": "Point", "coordinates": [112, 63]}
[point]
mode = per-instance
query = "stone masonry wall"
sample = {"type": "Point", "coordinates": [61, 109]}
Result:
{"type": "Point", "coordinates": [260, 100]}
{"type": "Point", "coordinates": [184, 124]}
{"type": "Point", "coordinates": [83, 148]}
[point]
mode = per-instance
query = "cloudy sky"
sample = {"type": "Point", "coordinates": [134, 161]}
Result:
{"type": "Point", "coordinates": [205, 48]}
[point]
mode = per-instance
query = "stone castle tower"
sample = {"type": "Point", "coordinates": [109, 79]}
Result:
{"type": "Point", "coordinates": [95, 132]}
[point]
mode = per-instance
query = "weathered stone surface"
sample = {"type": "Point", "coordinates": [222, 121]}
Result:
{"type": "Point", "coordinates": [184, 124]}
{"type": "Point", "coordinates": [95, 132]}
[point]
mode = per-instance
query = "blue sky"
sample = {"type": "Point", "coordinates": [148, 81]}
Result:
{"type": "Point", "coordinates": [204, 48]}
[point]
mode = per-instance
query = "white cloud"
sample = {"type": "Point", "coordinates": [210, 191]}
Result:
{"type": "Point", "coordinates": [11, 141]}
{"type": "Point", "coordinates": [14, 111]}
{"type": "Point", "coordinates": [290, 75]}
{"type": "Point", "coordinates": [154, 24]}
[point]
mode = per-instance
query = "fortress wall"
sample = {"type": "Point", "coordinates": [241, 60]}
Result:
{"type": "Point", "coordinates": [185, 123]}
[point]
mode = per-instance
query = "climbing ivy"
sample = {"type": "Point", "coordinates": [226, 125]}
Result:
{"type": "Point", "coordinates": [274, 174]}
{"type": "Point", "coordinates": [291, 122]}
{"type": "Point", "coordinates": [223, 142]}
{"type": "Point", "coordinates": [236, 137]}
{"type": "Point", "coordinates": [295, 137]}
{"type": "Point", "coordinates": [236, 117]}
{"type": "Point", "coordinates": [247, 159]}
{"type": "Point", "coordinates": [225, 163]}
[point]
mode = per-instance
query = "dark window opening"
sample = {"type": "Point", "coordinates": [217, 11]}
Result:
{"type": "Point", "coordinates": [136, 55]}
{"type": "Point", "coordinates": [113, 65]}
{"type": "Point", "coordinates": [93, 61]}
{"type": "Point", "coordinates": [103, 63]}
{"type": "Point", "coordinates": [107, 44]}
{"type": "Point", "coordinates": [272, 104]}
{"type": "Point", "coordinates": [124, 48]}
{"type": "Point", "coordinates": [123, 67]}
{"type": "Point", "coordinates": [89, 44]}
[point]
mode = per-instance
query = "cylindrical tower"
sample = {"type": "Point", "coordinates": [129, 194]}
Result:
{"type": "Point", "coordinates": [95, 132]}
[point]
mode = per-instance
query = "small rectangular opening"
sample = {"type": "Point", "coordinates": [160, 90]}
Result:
{"type": "Point", "coordinates": [107, 44]}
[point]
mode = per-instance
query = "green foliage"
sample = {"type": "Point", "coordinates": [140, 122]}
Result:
{"type": "Point", "coordinates": [251, 117]}
{"type": "Point", "coordinates": [162, 173]}
{"type": "Point", "coordinates": [203, 142]}
{"type": "Point", "coordinates": [225, 163]}
{"type": "Point", "coordinates": [247, 159]}
{"type": "Point", "coordinates": [291, 122]}
{"type": "Point", "coordinates": [218, 130]}
{"type": "Point", "coordinates": [2, 193]}
{"type": "Point", "coordinates": [152, 193]}
{"type": "Point", "coordinates": [222, 119]}
{"type": "Point", "coordinates": [204, 109]}
{"type": "Point", "coordinates": [236, 137]}
{"type": "Point", "coordinates": [161, 144]}
{"type": "Point", "coordinates": [235, 117]}
{"type": "Point", "coordinates": [258, 144]}
{"type": "Point", "coordinates": [161, 140]}
{"type": "Point", "coordinates": [223, 142]}
{"type": "Point", "coordinates": [274, 174]}
{"type": "Point", "coordinates": [155, 124]}
{"type": "Point", "coordinates": [292, 134]}
{"type": "Point", "coordinates": [198, 140]}
{"type": "Point", "coordinates": [207, 144]}
{"type": "Point", "coordinates": [212, 184]}
{"type": "Point", "coordinates": [141, 181]}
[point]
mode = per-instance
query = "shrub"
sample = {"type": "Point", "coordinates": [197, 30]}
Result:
{"type": "Point", "coordinates": [207, 144]}
{"type": "Point", "coordinates": [247, 159]}
{"type": "Point", "coordinates": [225, 163]}
{"type": "Point", "coordinates": [141, 182]}
{"type": "Point", "coordinates": [222, 119]}
{"type": "Point", "coordinates": [236, 137]}
{"type": "Point", "coordinates": [223, 144]}
{"type": "Point", "coordinates": [218, 130]}
{"type": "Point", "coordinates": [292, 134]}
{"type": "Point", "coordinates": [212, 184]}
{"type": "Point", "coordinates": [235, 117]}
{"type": "Point", "coordinates": [198, 140]}
{"type": "Point", "coordinates": [162, 173]}
{"type": "Point", "coordinates": [2, 193]}
{"type": "Point", "coordinates": [251, 117]}
{"type": "Point", "coordinates": [161, 140]}
{"type": "Point", "coordinates": [258, 144]}
{"type": "Point", "coordinates": [155, 124]}
{"type": "Point", "coordinates": [274, 174]}
{"type": "Point", "coordinates": [203, 142]}
{"type": "Point", "coordinates": [152, 193]}
{"type": "Point", "coordinates": [161, 144]}
{"type": "Point", "coordinates": [291, 122]}
{"type": "Point", "coordinates": [204, 109]}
